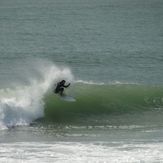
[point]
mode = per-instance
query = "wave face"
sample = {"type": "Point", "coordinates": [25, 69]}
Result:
{"type": "Point", "coordinates": [103, 99]}
{"type": "Point", "coordinates": [24, 104]}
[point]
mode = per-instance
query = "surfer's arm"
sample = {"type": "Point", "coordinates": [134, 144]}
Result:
{"type": "Point", "coordinates": [66, 85]}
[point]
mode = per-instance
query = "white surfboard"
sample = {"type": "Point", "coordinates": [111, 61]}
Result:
{"type": "Point", "coordinates": [67, 98]}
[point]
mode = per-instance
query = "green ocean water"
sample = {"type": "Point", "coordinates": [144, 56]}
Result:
{"type": "Point", "coordinates": [111, 51]}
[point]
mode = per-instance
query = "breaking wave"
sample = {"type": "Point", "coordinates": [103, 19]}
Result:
{"type": "Point", "coordinates": [23, 104]}
{"type": "Point", "coordinates": [26, 103]}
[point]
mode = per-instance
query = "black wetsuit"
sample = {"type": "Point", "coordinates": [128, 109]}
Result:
{"type": "Point", "coordinates": [60, 88]}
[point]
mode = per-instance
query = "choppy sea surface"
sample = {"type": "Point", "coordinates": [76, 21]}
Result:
{"type": "Point", "coordinates": [110, 51]}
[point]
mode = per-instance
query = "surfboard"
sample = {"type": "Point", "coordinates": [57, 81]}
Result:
{"type": "Point", "coordinates": [67, 98]}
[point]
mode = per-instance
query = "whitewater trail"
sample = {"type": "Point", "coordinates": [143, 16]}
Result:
{"type": "Point", "coordinates": [24, 104]}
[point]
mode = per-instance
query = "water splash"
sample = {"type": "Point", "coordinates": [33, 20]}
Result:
{"type": "Point", "coordinates": [23, 104]}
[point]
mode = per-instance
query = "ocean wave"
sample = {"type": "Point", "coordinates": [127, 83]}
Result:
{"type": "Point", "coordinates": [106, 99]}
{"type": "Point", "coordinates": [24, 104]}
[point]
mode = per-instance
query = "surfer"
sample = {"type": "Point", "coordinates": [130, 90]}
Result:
{"type": "Point", "coordinates": [60, 87]}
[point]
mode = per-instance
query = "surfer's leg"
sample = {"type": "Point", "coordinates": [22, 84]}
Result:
{"type": "Point", "coordinates": [61, 91]}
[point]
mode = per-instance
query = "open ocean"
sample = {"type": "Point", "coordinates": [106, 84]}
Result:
{"type": "Point", "coordinates": [112, 53]}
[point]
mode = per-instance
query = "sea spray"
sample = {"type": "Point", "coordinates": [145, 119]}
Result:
{"type": "Point", "coordinates": [24, 104]}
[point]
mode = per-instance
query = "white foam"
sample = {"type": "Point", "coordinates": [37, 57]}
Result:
{"type": "Point", "coordinates": [105, 83]}
{"type": "Point", "coordinates": [23, 104]}
{"type": "Point", "coordinates": [89, 82]}
{"type": "Point", "coordinates": [116, 82]}
{"type": "Point", "coordinates": [72, 152]}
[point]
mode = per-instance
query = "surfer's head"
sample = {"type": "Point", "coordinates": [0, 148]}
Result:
{"type": "Point", "coordinates": [63, 81]}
